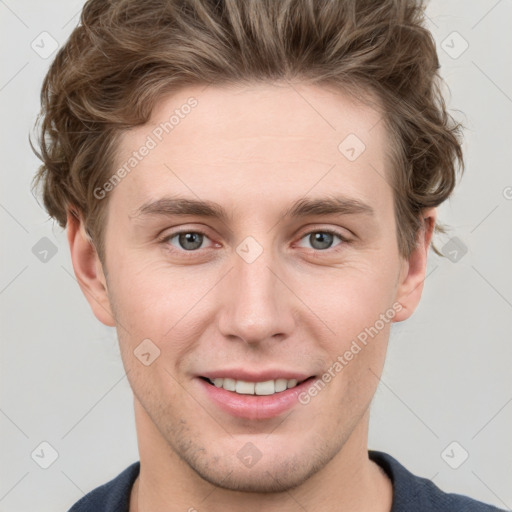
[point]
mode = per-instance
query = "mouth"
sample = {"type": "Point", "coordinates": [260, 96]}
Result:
{"type": "Point", "coordinates": [263, 388]}
{"type": "Point", "coordinates": [251, 400]}
{"type": "Point", "coordinates": [254, 393]}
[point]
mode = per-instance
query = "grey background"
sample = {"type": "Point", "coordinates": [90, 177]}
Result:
{"type": "Point", "coordinates": [447, 377]}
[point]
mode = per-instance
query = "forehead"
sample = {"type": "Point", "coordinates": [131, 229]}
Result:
{"type": "Point", "coordinates": [275, 141]}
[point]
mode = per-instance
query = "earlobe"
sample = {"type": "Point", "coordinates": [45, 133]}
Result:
{"type": "Point", "coordinates": [88, 269]}
{"type": "Point", "coordinates": [414, 269]}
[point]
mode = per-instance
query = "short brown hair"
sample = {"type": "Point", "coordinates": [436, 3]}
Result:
{"type": "Point", "coordinates": [125, 54]}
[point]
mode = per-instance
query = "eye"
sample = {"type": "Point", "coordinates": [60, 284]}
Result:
{"type": "Point", "coordinates": [323, 239]}
{"type": "Point", "coordinates": [186, 240]}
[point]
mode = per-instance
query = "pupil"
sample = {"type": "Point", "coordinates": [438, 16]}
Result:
{"type": "Point", "coordinates": [188, 238]}
{"type": "Point", "coordinates": [324, 239]}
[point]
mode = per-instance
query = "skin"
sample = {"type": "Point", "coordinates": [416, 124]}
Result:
{"type": "Point", "coordinates": [253, 150]}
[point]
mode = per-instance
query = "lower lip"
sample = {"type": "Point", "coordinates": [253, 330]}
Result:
{"type": "Point", "coordinates": [254, 407]}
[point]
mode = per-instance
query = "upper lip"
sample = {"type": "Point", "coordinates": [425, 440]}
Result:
{"type": "Point", "coordinates": [256, 376]}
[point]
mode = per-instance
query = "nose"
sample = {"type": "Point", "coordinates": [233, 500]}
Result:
{"type": "Point", "coordinates": [255, 304]}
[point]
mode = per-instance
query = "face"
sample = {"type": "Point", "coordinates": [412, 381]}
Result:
{"type": "Point", "coordinates": [292, 263]}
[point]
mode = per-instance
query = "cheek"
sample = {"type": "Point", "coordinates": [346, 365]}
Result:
{"type": "Point", "coordinates": [351, 300]}
{"type": "Point", "coordinates": [163, 305]}
{"type": "Point", "coordinates": [358, 307]}
{"type": "Point", "coordinates": [153, 297]}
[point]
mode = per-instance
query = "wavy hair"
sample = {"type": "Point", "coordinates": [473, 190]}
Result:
{"type": "Point", "coordinates": [124, 55]}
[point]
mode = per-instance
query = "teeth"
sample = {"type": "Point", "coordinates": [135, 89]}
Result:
{"type": "Point", "coordinates": [229, 384]}
{"type": "Point", "coordinates": [242, 387]}
{"type": "Point", "coordinates": [265, 388]}
{"type": "Point", "coordinates": [281, 385]}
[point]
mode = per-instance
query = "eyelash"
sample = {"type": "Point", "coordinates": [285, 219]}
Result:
{"type": "Point", "coordinates": [166, 239]}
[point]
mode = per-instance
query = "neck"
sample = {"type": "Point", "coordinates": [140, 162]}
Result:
{"type": "Point", "coordinates": [349, 481]}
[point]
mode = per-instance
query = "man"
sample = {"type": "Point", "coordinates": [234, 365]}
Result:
{"type": "Point", "coordinates": [250, 193]}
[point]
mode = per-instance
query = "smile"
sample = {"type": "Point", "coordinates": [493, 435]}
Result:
{"type": "Point", "coordinates": [268, 387]}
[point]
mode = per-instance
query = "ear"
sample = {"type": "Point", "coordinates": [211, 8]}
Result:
{"type": "Point", "coordinates": [413, 271]}
{"type": "Point", "coordinates": [88, 270]}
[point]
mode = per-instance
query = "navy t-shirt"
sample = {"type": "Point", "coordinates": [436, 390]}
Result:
{"type": "Point", "coordinates": [410, 493]}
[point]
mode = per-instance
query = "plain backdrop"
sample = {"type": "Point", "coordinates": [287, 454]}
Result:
{"type": "Point", "coordinates": [446, 391]}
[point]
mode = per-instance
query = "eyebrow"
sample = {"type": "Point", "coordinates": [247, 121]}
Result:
{"type": "Point", "coordinates": [338, 205]}
{"type": "Point", "coordinates": [328, 206]}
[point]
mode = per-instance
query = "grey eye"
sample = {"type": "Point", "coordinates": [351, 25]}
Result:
{"type": "Point", "coordinates": [321, 240]}
{"type": "Point", "coordinates": [189, 240]}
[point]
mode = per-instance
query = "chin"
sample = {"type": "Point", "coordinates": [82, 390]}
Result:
{"type": "Point", "coordinates": [267, 478]}
{"type": "Point", "coordinates": [279, 467]}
